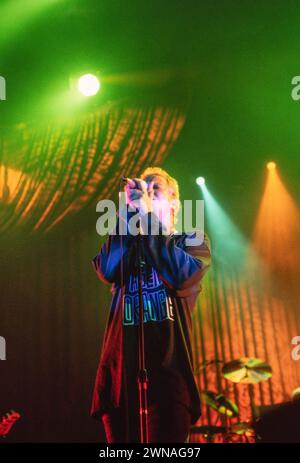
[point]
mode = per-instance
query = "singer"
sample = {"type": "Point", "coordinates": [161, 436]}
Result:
{"type": "Point", "coordinates": [171, 283]}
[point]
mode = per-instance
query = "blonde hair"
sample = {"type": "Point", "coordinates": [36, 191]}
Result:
{"type": "Point", "coordinates": [172, 183]}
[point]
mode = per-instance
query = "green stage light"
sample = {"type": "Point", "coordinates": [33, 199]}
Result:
{"type": "Point", "coordinates": [200, 181]}
{"type": "Point", "coordinates": [231, 247]}
{"type": "Point", "coordinates": [88, 85]}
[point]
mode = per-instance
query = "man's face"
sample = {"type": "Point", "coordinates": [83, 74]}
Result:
{"type": "Point", "coordinates": [161, 203]}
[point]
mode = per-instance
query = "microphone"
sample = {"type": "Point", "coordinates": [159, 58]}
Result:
{"type": "Point", "coordinates": [129, 181]}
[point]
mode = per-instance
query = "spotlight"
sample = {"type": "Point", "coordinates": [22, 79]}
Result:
{"type": "Point", "coordinates": [200, 181]}
{"type": "Point", "coordinates": [271, 165]}
{"type": "Point", "coordinates": [88, 85]}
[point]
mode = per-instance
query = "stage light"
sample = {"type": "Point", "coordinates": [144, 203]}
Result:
{"type": "Point", "coordinates": [200, 181]}
{"type": "Point", "coordinates": [231, 247]}
{"type": "Point", "coordinates": [277, 222]}
{"type": "Point", "coordinates": [88, 85]}
{"type": "Point", "coordinates": [271, 165]}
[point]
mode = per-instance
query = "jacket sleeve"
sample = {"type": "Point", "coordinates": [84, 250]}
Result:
{"type": "Point", "coordinates": [178, 265]}
{"type": "Point", "coordinates": [107, 263]}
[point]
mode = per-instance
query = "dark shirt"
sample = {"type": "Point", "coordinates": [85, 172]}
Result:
{"type": "Point", "coordinates": [171, 283]}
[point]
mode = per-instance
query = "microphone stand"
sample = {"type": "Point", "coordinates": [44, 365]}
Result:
{"type": "Point", "coordinates": [142, 377]}
{"type": "Point", "coordinates": [142, 373]}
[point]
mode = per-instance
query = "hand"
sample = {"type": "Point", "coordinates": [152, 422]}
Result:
{"type": "Point", "coordinates": [139, 195]}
